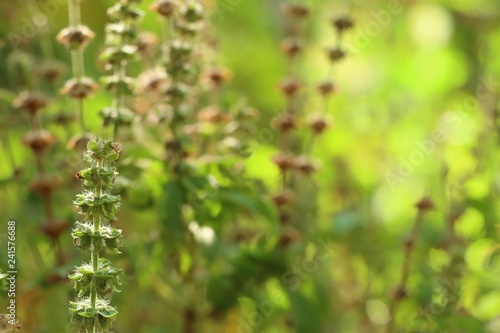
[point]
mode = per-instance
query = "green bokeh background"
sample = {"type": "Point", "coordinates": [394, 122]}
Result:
{"type": "Point", "coordinates": [416, 114]}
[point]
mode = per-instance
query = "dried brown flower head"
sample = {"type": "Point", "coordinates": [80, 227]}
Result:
{"type": "Point", "coordinates": [343, 23]}
{"type": "Point", "coordinates": [152, 80]}
{"type": "Point", "coordinates": [50, 71]}
{"type": "Point", "coordinates": [75, 37]}
{"type": "Point", "coordinates": [216, 77]}
{"type": "Point", "coordinates": [38, 140]}
{"type": "Point", "coordinates": [54, 229]}
{"type": "Point", "coordinates": [44, 184]}
{"type": "Point", "coordinates": [79, 89]}
{"type": "Point", "coordinates": [31, 102]}
{"type": "Point", "coordinates": [283, 199]}
{"type": "Point", "coordinates": [318, 125]}
{"type": "Point", "coordinates": [284, 161]}
{"type": "Point", "coordinates": [291, 46]}
{"type": "Point", "coordinates": [165, 8]}
{"type": "Point", "coordinates": [305, 165]}
{"type": "Point", "coordinates": [336, 54]}
{"type": "Point", "coordinates": [290, 87]}
{"type": "Point", "coordinates": [296, 11]}
{"type": "Point", "coordinates": [285, 122]}
{"type": "Point", "coordinates": [212, 114]}
{"type": "Point", "coordinates": [326, 88]}
{"type": "Point", "coordinates": [146, 43]}
{"type": "Point", "coordinates": [425, 204]}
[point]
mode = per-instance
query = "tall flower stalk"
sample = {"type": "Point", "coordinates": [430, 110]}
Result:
{"type": "Point", "coordinates": [121, 40]}
{"type": "Point", "coordinates": [76, 37]}
{"type": "Point", "coordinates": [96, 279]}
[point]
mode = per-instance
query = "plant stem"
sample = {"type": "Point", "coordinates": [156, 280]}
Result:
{"type": "Point", "coordinates": [96, 219]}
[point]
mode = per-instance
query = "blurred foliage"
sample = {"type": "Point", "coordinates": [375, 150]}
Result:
{"type": "Point", "coordinates": [416, 115]}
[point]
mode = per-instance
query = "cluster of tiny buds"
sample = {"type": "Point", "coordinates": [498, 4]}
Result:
{"type": "Point", "coordinates": [121, 47]}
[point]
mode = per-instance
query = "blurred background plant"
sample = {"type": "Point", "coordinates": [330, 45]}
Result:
{"type": "Point", "coordinates": [414, 114]}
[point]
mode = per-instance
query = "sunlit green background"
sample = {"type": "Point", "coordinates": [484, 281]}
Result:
{"type": "Point", "coordinates": [416, 114]}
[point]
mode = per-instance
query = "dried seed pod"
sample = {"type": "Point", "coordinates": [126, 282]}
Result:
{"type": "Point", "coordinates": [146, 43]}
{"type": "Point", "coordinates": [216, 76]}
{"type": "Point", "coordinates": [54, 229]}
{"type": "Point", "coordinates": [305, 165]}
{"type": "Point", "coordinates": [45, 184]}
{"type": "Point", "coordinates": [75, 37]}
{"type": "Point", "coordinates": [31, 102]}
{"type": "Point", "coordinates": [399, 293]}
{"type": "Point", "coordinates": [296, 11]}
{"type": "Point", "coordinates": [285, 122]}
{"type": "Point", "coordinates": [283, 199]}
{"type": "Point", "coordinates": [79, 89]}
{"type": "Point", "coordinates": [284, 161]}
{"type": "Point", "coordinates": [425, 204]}
{"type": "Point", "coordinates": [165, 8]}
{"type": "Point", "coordinates": [284, 217]}
{"type": "Point", "coordinates": [326, 88]}
{"type": "Point", "coordinates": [290, 87]}
{"type": "Point", "coordinates": [212, 114]}
{"type": "Point", "coordinates": [63, 118]}
{"type": "Point", "coordinates": [318, 125]}
{"type": "Point", "coordinates": [336, 54]}
{"type": "Point", "coordinates": [288, 239]}
{"type": "Point", "coordinates": [291, 46]}
{"type": "Point", "coordinates": [50, 71]}
{"type": "Point", "coordinates": [38, 140]}
{"type": "Point", "coordinates": [152, 80]}
{"type": "Point", "coordinates": [343, 23]}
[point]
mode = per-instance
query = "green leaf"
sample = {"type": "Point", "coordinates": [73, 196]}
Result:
{"type": "Point", "coordinates": [170, 209]}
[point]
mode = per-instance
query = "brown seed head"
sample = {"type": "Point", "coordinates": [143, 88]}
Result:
{"type": "Point", "coordinates": [326, 88]}
{"type": "Point", "coordinates": [283, 199]}
{"type": "Point", "coordinates": [284, 217]}
{"type": "Point", "coordinates": [343, 23]}
{"type": "Point", "coordinates": [75, 37]}
{"type": "Point", "coordinates": [152, 80]}
{"type": "Point", "coordinates": [336, 54]}
{"type": "Point", "coordinates": [399, 293]}
{"type": "Point", "coordinates": [54, 229]}
{"type": "Point", "coordinates": [50, 71]}
{"type": "Point", "coordinates": [217, 76]}
{"type": "Point", "coordinates": [38, 140]}
{"type": "Point", "coordinates": [31, 102]}
{"type": "Point", "coordinates": [79, 89]}
{"type": "Point", "coordinates": [425, 204]}
{"type": "Point", "coordinates": [291, 46]}
{"type": "Point", "coordinates": [283, 161]}
{"type": "Point", "coordinates": [44, 185]}
{"type": "Point", "coordinates": [318, 125]}
{"type": "Point", "coordinates": [289, 87]}
{"type": "Point", "coordinates": [146, 43]}
{"type": "Point", "coordinates": [165, 8]}
{"type": "Point", "coordinates": [296, 11]}
{"type": "Point", "coordinates": [285, 122]}
{"type": "Point", "coordinates": [305, 165]}
{"type": "Point", "coordinates": [212, 114]}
